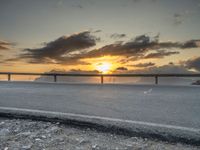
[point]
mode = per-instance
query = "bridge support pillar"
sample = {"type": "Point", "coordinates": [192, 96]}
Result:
{"type": "Point", "coordinates": [156, 79]}
{"type": "Point", "coordinates": [101, 79]}
{"type": "Point", "coordinates": [55, 78]}
{"type": "Point", "coordinates": [9, 77]}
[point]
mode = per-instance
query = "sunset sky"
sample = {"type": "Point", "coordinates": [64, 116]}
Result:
{"type": "Point", "coordinates": [123, 36]}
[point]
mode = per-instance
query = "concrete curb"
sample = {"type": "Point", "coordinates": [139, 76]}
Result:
{"type": "Point", "coordinates": [161, 132]}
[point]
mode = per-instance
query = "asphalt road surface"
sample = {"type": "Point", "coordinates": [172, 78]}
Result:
{"type": "Point", "coordinates": [159, 104]}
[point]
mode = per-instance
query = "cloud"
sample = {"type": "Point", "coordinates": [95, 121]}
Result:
{"type": "Point", "coordinates": [54, 51]}
{"type": "Point", "coordinates": [138, 47]}
{"type": "Point", "coordinates": [4, 45]}
{"type": "Point", "coordinates": [74, 48]}
{"type": "Point", "coordinates": [121, 69]}
{"type": "Point", "coordinates": [142, 39]}
{"type": "Point", "coordinates": [77, 71]}
{"type": "Point", "coordinates": [178, 19]}
{"type": "Point", "coordinates": [191, 44]}
{"type": "Point", "coordinates": [160, 54]}
{"type": "Point", "coordinates": [78, 6]}
{"type": "Point", "coordinates": [97, 31]}
{"type": "Point", "coordinates": [143, 65]}
{"type": "Point", "coordinates": [117, 36]}
{"type": "Point", "coordinates": [193, 63]}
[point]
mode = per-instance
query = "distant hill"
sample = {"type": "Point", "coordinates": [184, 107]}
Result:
{"type": "Point", "coordinates": [70, 79]}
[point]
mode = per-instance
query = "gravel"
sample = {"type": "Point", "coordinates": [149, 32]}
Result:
{"type": "Point", "coordinates": [18, 134]}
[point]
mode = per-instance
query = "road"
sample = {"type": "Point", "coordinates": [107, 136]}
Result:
{"type": "Point", "coordinates": [158, 104]}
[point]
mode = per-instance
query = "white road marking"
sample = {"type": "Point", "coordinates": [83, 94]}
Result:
{"type": "Point", "coordinates": [42, 113]}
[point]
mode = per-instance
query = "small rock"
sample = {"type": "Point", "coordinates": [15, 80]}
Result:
{"type": "Point", "coordinates": [26, 147]}
{"type": "Point", "coordinates": [54, 128]}
{"type": "Point", "coordinates": [26, 133]}
{"type": "Point", "coordinates": [38, 139]}
{"type": "Point", "coordinates": [4, 132]}
{"type": "Point", "coordinates": [94, 146]}
{"type": "Point", "coordinates": [43, 136]}
{"type": "Point", "coordinates": [83, 142]}
{"type": "Point", "coordinates": [2, 123]}
{"type": "Point", "coordinates": [6, 148]}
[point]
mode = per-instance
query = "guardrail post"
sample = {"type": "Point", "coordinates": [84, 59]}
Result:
{"type": "Point", "coordinates": [9, 77]}
{"type": "Point", "coordinates": [156, 79]}
{"type": "Point", "coordinates": [55, 78]}
{"type": "Point", "coordinates": [101, 79]}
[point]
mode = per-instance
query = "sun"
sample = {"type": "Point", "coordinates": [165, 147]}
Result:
{"type": "Point", "coordinates": [104, 67]}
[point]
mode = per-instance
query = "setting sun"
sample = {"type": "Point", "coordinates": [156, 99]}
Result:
{"type": "Point", "coordinates": [104, 67]}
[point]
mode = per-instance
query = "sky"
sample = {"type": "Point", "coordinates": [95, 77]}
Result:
{"type": "Point", "coordinates": [109, 36]}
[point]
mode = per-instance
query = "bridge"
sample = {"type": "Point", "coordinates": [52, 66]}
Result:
{"type": "Point", "coordinates": [55, 75]}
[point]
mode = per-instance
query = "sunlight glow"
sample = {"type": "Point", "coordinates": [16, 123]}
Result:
{"type": "Point", "coordinates": [104, 67]}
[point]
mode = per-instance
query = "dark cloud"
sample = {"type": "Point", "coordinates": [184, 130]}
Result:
{"type": "Point", "coordinates": [97, 31]}
{"type": "Point", "coordinates": [143, 65]}
{"type": "Point", "coordinates": [138, 47]}
{"type": "Point", "coordinates": [193, 63]}
{"type": "Point", "coordinates": [74, 48]}
{"type": "Point", "coordinates": [55, 50]}
{"type": "Point", "coordinates": [142, 39]}
{"type": "Point", "coordinates": [161, 54]}
{"type": "Point", "coordinates": [12, 59]}
{"type": "Point", "coordinates": [191, 44]}
{"type": "Point", "coordinates": [4, 45]}
{"type": "Point", "coordinates": [79, 71]}
{"type": "Point", "coordinates": [121, 69]}
{"type": "Point", "coordinates": [178, 19]}
{"type": "Point", "coordinates": [117, 36]}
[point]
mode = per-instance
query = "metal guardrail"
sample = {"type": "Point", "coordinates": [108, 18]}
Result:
{"type": "Point", "coordinates": [55, 75]}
